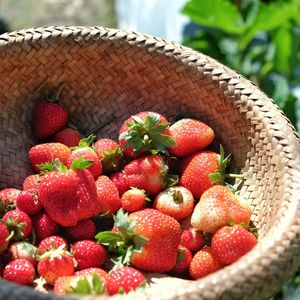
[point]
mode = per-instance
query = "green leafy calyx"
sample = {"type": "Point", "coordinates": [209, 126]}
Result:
{"type": "Point", "coordinates": [88, 285]}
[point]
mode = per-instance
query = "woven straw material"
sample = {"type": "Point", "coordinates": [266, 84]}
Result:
{"type": "Point", "coordinates": [113, 71]}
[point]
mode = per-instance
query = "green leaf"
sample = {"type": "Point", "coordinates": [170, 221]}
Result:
{"type": "Point", "coordinates": [180, 256]}
{"type": "Point", "coordinates": [46, 167]}
{"type": "Point", "coordinates": [80, 163]}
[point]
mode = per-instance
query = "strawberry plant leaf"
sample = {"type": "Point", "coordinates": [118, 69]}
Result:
{"type": "Point", "coordinates": [46, 167]}
{"type": "Point", "coordinates": [98, 284]}
{"type": "Point", "coordinates": [80, 163]}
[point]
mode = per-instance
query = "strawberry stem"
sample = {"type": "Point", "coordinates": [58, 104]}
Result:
{"type": "Point", "coordinates": [11, 235]}
{"type": "Point", "coordinates": [60, 88]}
{"type": "Point", "coordinates": [101, 125]}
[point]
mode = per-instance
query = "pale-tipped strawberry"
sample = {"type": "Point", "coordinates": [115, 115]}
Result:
{"type": "Point", "coordinates": [147, 239]}
{"type": "Point", "coordinates": [145, 132]}
{"type": "Point", "coordinates": [4, 233]}
{"type": "Point", "coordinates": [46, 153]}
{"type": "Point", "coordinates": [134, 199]}
{"type": "Point", "coordinates": [230, 243]}
{"type": "Point", "coordinates": [8, 198]}
{"type": "Point", "coordinates": [49, 116]}
{"type": "Point", "coordinates": [69, 195]}
{"type": "Point", "coordinates": [192, 239]}
{"type": "Point", "coordinates": [204, 263]}
{"type": "Point", "coordinates": [67, 136]}
{"type": "Point", "coordinates": [190, 136]}
{"type": "Point", "coordinates": [176, 201]}
{"type": "Point", "coordinates": [86, 151]}
{"type": "Point", "coordinates": [23, 250]}
{"type": "Point", "coordinates": [219, 206]}
{"type": "Point", "coordinates": [29, 202]}
{"type": "Point", "coordinates": [184, 259]}
{"type": "Point", "coordinates": [83, 230]}
{"type": "Point", "coordinates": [52, 242]}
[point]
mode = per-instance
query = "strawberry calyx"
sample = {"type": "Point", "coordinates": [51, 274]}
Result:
{"type": "Point", "coordinates": [250, 226]}
{"type": "Point", "coordinates": [111, 159]}
{"type": "Point", "coordinates": [15, 228]}
{"type": "Point", "coordinates": [54, 253]}
{"type": "Point", "coordinates": [169, 179]}
{"type": "Point", "coordinates": [5, 207]}
{"type": "Point", "coordinates": [147, 135]}
{"type": "Point", "coordinates": [123, 242]}
{"type": "Point", "coordinates": [177, 196]}
{"type": "Point", "coordinates": [56, 96]}
{"type": "Point", "coordinates": [87, 285]}
{"type": "Point", "coordinates": [86, 143]}
{"type": "Point", "coordinates": [180, 256]}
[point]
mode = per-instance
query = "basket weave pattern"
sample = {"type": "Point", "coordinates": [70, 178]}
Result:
{"type": "Point", "coordinates": [113, 71]}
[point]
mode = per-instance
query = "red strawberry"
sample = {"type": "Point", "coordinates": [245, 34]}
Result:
{"type": "Point", "coordinates": [67, 136]}
{"type": "Point", "coordinates": [52, 242]}
{"type": "Point", "coordinates": [18, 223]}
{"type": "Point", "coordinates": [4, 233]}
{"type": "Point", "coordinates": [69, 195]}
{"type": "Point", "coordinates": [190, 136]}
{"type": "Point", "coordinates": [46, 153]}
{"type": "Point", "coordinates": [49, 117]}
{"type": "Point", "coordinates": [20, 271]}
{"type": "Point", "coordinates": [88, 254]}
{"type": "Point", "coordinates": [89, 154]}
{"type": "Point", "coordinates": [229, 243]}
{"type": "Point", "coordinates": [145, 132]}
{"type": "Point", "coordinates": [151, 239]}
{"type": "Point", "coordinates": [29, 202]}
{"type": "Point", "coordinates": [183, 261]}
{"type": "Point", "coordinates": [32, 181]}
{"type": "Point", "coordinates": [8, 199]}
{"type": "Point", "coordinates": [134, 200]}
{"type": "Point", "coordinates": [108, 196]}
{"type": "Point", "coordinates": [44, 226]}
{"type": "Point", "coordinates": [192, 239]}
{"type": "Point", "coordinates": [176, 201]}
{"type": "Point", "coordinates": [119, 180]}
{"type": "Point", "coordinates": [124, 279]}
{"type": "Point", "coordinates": [54, 264]}
{"type": "Point", "coordinates": [204, 263]}
{"type": "Point", "coordinates": [218, 207]}
{"type": "Point", "coordinates": [83, 230]}
{"type": "Point", "coordinates": [110, 155]}
{"type": "Point", "coordinates": [23, 250]}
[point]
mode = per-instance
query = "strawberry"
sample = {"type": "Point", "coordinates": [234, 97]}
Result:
{"type": "Point", "coordinates": [190, 136]}
{"type": "Point", "coordinates": [4, 233]}
{"type": "Point", "coordinates": [83, 230]}
{"type": "Point", "coordinates": [49, 116]}
{"type": "Point", "coordinates": [88, 152]}
{"type": "Point", "coordinates": [46, 153]}
{"type": "Point", "coordinates": [192, 239]}
{"type": "Point", "coordinates": [20, 271]}
{"type": "Point", "coordinates": [229, 243]}
{"type": "Point", "coordinates": [108, 196]}
{"type": "Point", "coordinates": [8, 198]}
{"type": "Point", "coordinates": [90, 271]}
{"type": "Point", "coordinates": [55, 263]}
{"type": "Point", "coordinates": [88, 254]}
{"type": "Point", "coordinates": [32, 181]}
{"type": "Point", "coordinates": [18, 223]}
{"type": "Point", "coordinates": [184, 259]}
{"type": "Point", "coordinates": [150, 237]}
{"type": "Point", "coordinates": [44, 226]}
{"type": "Point", "coordinates": [29, 202]}
{"type": "Point", "coordinates": [52, 242]}
{"type": "Point", "coordinates": [145, 132]}
{"type": "Point", "coordinates": [204, 263]}
{"type": "Point", "coordinates": [119, 180]}
{"type": "Point", "coordinates": [124, 279]}
{"type": "Point", "coordinates": [110, 155]}
{"type": "Point", "coordinates": [218, 206]}
{"type": "Point", "coordinates": [23, 250]}
{"type": "Point", "coordinates": [69, 195]}
{"type": "Point", "coordinates": [67, 136]}
{"type": "Point", "coordinates": [176, 201]}
{"type": "Point", "coordinates": [134, 200]}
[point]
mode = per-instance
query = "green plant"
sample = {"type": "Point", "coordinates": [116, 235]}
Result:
{"type": "Point", "coordinates": [259, 40]}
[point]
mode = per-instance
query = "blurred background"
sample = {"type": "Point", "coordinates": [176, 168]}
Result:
{"type": "Point", "coordinates": [258, 38]}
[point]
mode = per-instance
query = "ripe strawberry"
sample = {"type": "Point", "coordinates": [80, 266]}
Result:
{"type": "Point", "coordinates": [83, 230]}
{"type": "Point", "coordinates": [49, 116]}
{"type": "Point", "coordinates": [18, 223]}
{"type": "Point", "coordinates": [23, 250]}
{"type": "Point", "coordinates": [29, 202]}
{"type": "Point", "coordinates": [52, 242]}
{"type": "Point", "coordinates": [110, 155]}
{"type": "Point", "coordinates": [90, 271]}
{"type": "Point", "coordinates": [44, 226]}
{"type": "Point", "coordinates": [86, 151]}
{"type": "Point", "coordinates": [119, 180]}
{"type": "Point", "coordinates": [204, 263]}
{"type": "Point", "coordinates": [151, 239]}
{"type": "Point", "coordinates": [108, 196]}
{"type": "Point", "coordinates": [190, 136]}
{"type": "Point", "coordinates": [32, 181]}
{"type": "Point", "coordinates": [8, 199]}
{"type": "Point", "coordinates": [176, 201]}
{"type": "Point", "coordinates": [192, 239]}
{"type": "Point", "coordinates": [46, 153]}
{"type": "Point", "coordinates": [134, 200]}
{"type": "Point", "coordinates": [145, 132]}
{"type": "Point", "coordinates": [217, 207]}
{"type": "Point", "coordinates": [20, 271]}
{"type": "Point", "coordinates": [124, 279]}
{"type": "Point", "coordinates": [4, 233]}
{"type": "Point", "coordinates": [88, 254]}
{"type": "Point", "coordinates": [67, 136]}
{"type": "Point", "coordinates": [229, 243]}
{"type": "Point", "coordinates": [183, 261]}
{"type": "Point", "coordinates": [54, 264]}
{"type": "Point", "coordinates": [69, 195]}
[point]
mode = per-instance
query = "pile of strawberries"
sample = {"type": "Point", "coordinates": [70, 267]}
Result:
{"type": "Point", "coordinates": [97, 214]}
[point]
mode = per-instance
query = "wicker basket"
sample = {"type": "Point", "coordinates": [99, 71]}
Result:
{"type": "Point", "coordinates": [113, 71]}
